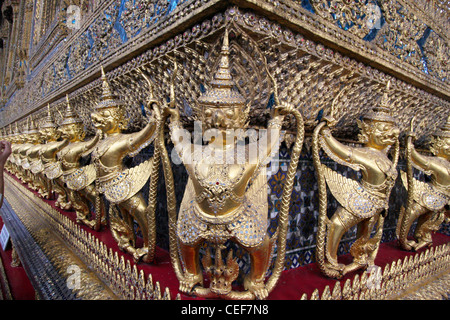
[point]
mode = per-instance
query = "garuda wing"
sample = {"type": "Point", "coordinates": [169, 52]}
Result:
{"type": "Point", "coordinates": [128, 182]}
{"type": "Point", "coordinates": [81, 178]}
{"type": "Point", "coordinates": [53, 170]}
{"type": "Point", "coordinates": [426, 194]}
{"type": "Point", "coordinates": [352, 195]}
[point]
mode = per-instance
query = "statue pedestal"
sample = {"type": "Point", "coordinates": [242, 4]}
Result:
{"type": "Point", "coordinates": [65, 260]}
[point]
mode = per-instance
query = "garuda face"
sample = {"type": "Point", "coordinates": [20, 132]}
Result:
{"type": "Point", "coordinates": [382, 134]}
{"type": "Point", "coordinates": [108, 120]}
{"type": "Point", "coordinates": [73, 132]}
{"type": "Point", "coordinates": [441, 147]}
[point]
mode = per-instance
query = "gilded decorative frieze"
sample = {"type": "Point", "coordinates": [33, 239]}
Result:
{"type": "Point", "coordinates": [309, 75]}
{"type": "Point", "coordinates": [393, 35]}
{"type": "Point", "coordinates": [104, 275]}
{"type": "Point", "coordinates": [422, 277]}
{"type": "Point", "coordinates": [283, 65]}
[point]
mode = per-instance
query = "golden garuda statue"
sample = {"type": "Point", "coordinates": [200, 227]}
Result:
{"type": "Point", "coordinates": [52, 170]}
{"type": "Point", "coordinates": [9, 136]}
{"type": "Point", "coordinates": [427, 202]}
{"type": "Point", "coordinates": [363, 203]}
{"type": "Point", "coordinates": [36, 167]}
{"type": "Point", "coordinates": [225, 198]}
{"type": "Point", "coordinates": [120, 185]}
{"type": "Point", "coordinates": [16, 139]}
{"type": "Point", "coordinates": [79, 179]}
{"type": "Point", "coordinates": [29, 153]}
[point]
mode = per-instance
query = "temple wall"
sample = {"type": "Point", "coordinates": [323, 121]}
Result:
{"type": "Point", "coordinates": [315, 52]}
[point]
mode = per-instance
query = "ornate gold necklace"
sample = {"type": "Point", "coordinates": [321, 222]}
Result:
{"type": "Point", "coordinates": [217, 186]}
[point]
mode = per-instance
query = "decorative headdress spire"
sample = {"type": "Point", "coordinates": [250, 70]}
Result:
{"type": "Point", "coordinates": [48, 121]}
{"type": "Point", "coordinates": [221, 92]}
{"type": "Point", "coordinates": [70, 116]}
{"type": "Point", "coordinates": [444, 131]}
{"type": "Point", "coordinates": [222, 77]}
{"type": "Point", "coordinates": [108, 98]}
{"type": "Point", "coordinates": [383, 111]}
{"type": "Point", "coordinates": [32, 126]}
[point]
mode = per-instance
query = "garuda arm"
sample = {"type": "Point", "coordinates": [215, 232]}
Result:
{"type": "Point", "coordinates": [337, 151]}
{"type": "Point", "coordinates": [141, 139]}
{"type": "Point", "coordinates": [419, 161]}
{"type": "Point", "coordinates": [87, 147]}
{"type": "Point", "coordinates": [50, 152]}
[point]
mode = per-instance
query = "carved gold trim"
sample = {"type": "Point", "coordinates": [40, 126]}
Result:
{"type": "Point", "coordinates": [425, 275]}
{"type": "Point", "coordinates": [103, 274]}
{"type": "Point", "coordinates": [290, 15]}
{"type": "Point", "coordinates": [5, 283]}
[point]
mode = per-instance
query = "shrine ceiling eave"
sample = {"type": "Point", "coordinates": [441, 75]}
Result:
{"type": "Point", "coordinates": [290, 14]}
{"type": "Point", "coordinates": [131, 51]}
{"type": "Point", "coordinates": [287, 13]}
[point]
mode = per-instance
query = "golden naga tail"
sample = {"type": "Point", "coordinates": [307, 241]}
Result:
{"type": "Point", "coordinates": [322, 188]}
{"type": "Point", "coordinates": [404, 223]}
{"type": "Point", "coordinates": [170, 185]}
{"type": "Point", "coordinates": [154, 173]}
{"type": "Point", "coordinates": [283, 218]}
{"type": "Point", "coordinates": [171, 200]}
{"type": "Point", "coordinates": [152, 199]}
{"type": "Point", "coordinates": [323, 220]}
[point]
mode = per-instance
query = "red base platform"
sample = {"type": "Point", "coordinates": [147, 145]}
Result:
{"type": "Point", "coordinates": [292, 284]}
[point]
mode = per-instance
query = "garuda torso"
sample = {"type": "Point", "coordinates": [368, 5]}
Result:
{"type": "Point", "coordinates": [22, 152]}
{"type": "Point", "coordinates": [34, 158]}
{"type": "Point", "coordinates": [115, 181]}
{"type": "Point", "coordinates": [362, 199]}
{"type": "Point", "coordinates": [224, 201]}
{"type": "Point", "coordinates": [75, 176]}
{"type": "Point", "coordinates": [431, 195]}
{"type": "Point", "coordinates": [52, 167]}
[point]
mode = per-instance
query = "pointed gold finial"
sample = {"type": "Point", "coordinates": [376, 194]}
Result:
{"type": "Point", "coordinates": [48, 121]}
{"type": "Point", "coordinates": [444, 130]}
{"type": "Point", "coordinates": [108, 98]}
{"type": "Point", "coordinates": [385, 98]}
{"type": "Point", "coordinates": [221, 92]}
{"type": "Point", "coordinates": [32, 125]}
{"type": "Point", "coordinates": [107, 92]}
{"type": "Point", "coordinates": [382, 112]}
{"type": "Point", "coordinates": [222, 77]}
{"type": "Point", "coordinates": [70, 116]}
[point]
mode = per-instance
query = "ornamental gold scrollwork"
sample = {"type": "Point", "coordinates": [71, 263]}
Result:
{"type": "Point", "coordinates": [363, 203]}
{"type": "Point", "coordinates": [120, 185]}
{"type": "Point", "coordinates": [401, 33]}
{"type": "Point", "coordinates": [359, 17]}
{"type": "Point", "coordinates": [36, 183]}
{"type": "Point", "coordinates": [437, 52]}
{"type": "Point", "coordinates": [52, 170]}
{"type": "Point", "coordinates": [225, 200]}
{"type": "Point", "coordinates": [78, 179]}
{"type": "Point", "coordinates": [427, 202]}
{"type": "Point", "coordinates": [30, 141]}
